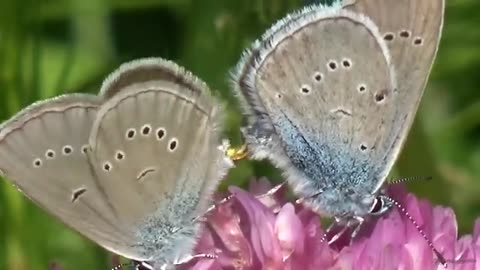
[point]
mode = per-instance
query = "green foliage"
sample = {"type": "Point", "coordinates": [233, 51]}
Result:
{"type": "Point", "coordinates": [49, 47]}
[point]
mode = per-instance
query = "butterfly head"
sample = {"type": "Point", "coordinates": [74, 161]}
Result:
{"type": "Point", "coordinates": [381, 204]}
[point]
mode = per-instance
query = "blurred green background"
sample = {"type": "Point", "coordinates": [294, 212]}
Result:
{"type": "Point", "coordinates": [48, 47]}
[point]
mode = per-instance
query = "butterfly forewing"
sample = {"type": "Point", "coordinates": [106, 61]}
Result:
{"type": "Point", "coordinates": [142, 71]}
{"type": "Point", "coordinates": [42, 152]}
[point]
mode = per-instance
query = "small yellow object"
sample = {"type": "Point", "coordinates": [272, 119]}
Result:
{"type": "Point", "coordinates": [237, 153]}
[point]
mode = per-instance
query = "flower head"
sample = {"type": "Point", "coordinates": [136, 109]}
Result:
{"type": "Point", "coordinates": [271, 233]}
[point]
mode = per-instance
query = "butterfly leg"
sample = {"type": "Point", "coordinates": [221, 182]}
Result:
{"type": "Point", "coordinates": [336, 236]}
{"type": "Point", "coordinates": [272, 191]}
{"type": "Point", "coordinates": [215, 206]}
{"type": "Point", "coordinates": [302, 200]}
{"type": "Point", "coordinates": [357, 222]}
{"type": "Point", "coordinates": [189, 258]}
{"type": "Point", "coordinates": [142, 266]}
{"type": "Point", "coordinates": [163, 267]}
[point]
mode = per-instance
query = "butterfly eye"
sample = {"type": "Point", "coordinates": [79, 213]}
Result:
{"type": "Point", "coordinates": [377, 206]}
{"type": "Point", "coordinates": [380, 205]}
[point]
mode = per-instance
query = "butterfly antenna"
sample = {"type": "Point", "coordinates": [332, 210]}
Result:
{"type": "Point", "coordinates": [439, 256]}
{"type": "Point", "coordinates": [408, 179]}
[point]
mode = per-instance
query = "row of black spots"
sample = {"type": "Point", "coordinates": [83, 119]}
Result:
{"type": "Point", "coordinates": [345, 63]}
{"type": "Point", "coordinates": [318, 77]}
{"type": "Point", "coordinates": [146, 131]}
{"type": "Point", "coordinates": [403, 34]}
{"type": "Point", "coordinates": [361, 88]}
{"type": "Point", "coordinates": [160, 134]}
{"type": "Point", "coordinates": [66, 150]}
{"type": "Point", "coordinates": [51, 154]}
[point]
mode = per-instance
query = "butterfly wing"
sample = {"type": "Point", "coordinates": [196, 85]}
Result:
{"type": "Point", "coordinates": [143, 70]}
{"type": "Point", "coordinates": [321, 80]}
{"type": "Point", "coordinates": [42, 152]}
{"type": "Point", "coordinates": [412, 31]}
{"type": "Point", "coordinates": [155, 149]}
